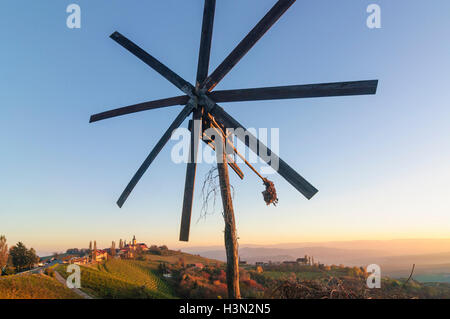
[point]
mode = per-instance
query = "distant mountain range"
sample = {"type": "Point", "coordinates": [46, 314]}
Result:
{"type": "Point", "coordinates": [396, 257]}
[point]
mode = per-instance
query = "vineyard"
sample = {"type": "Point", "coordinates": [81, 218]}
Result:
{"type": "Point", "coordinates": [33, 286]}
{"type": "Point", "coordinates": [122, 279]}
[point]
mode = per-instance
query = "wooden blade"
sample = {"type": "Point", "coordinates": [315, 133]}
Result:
{"type": "Point", "coordinates": [247, 43]}
{"type": "Point", "coordinates": [289, 174]}
{"type": "Point", "coordinates": [155, 151]}
{"type": "Point", "coordinates": [205, 42]}
{"type": "Point", "coordinates": [297, 91]}
{"type": "Point", "coordinates": [202, 73]}
{"type": "Point", "coordinates": [156, 65]}
{"type": "Point", "coordinates": [196, 134]}
{"type": "Point", "coordinates": [177, 100]}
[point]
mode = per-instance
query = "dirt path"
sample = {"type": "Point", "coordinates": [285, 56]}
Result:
{"type": "Point", "coordinates": [76, 290]}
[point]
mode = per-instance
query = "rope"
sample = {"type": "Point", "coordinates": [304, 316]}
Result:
{"type": "Point", "coordinates": [270, 194]}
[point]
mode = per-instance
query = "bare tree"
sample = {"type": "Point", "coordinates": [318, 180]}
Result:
{"type": "Point", "coordinates": [4, 253]}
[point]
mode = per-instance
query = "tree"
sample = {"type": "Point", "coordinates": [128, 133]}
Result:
{"type": "Point", "coordinates": [181, 262]}
{"type": "Point", "coordinates": [140, 253]}
{"type": "Point", "coordinates": [3, 253]}
{"type": "Point", "coordinates": [90, 246]}
{"type": "Point", "coordinates": [120, 244]}
{"type": "Point", "coordinates": [22, 258]}
{"type": "Point", "coordinates": [154, 250]}
{"type": "Point", "coordinates": [113, 249]}
{"type": "Point", "coordinates": [32, 258]}
{"type": "Point", "coordinates": [73, 251]}
{"type": "Point", "coordinates": [94, 253]}
{"type": "Point", "coordinates": [161, 268]}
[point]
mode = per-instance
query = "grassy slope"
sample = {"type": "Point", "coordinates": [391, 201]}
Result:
{"type": "Point", "coordinates": [33, 286]}
{"type": "Point", "coordinates": [188, 259]}
{"type": "Point", "coordinates": [140, 273]}
{"type": "Point", "coordinates": [122, 279]}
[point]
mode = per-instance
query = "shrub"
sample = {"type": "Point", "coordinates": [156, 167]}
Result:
{"type": "Point", "coordinates": [49, 272]}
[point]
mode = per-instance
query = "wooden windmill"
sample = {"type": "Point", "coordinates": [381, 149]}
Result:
{"type": "Point", "coordinates": [201, 101]}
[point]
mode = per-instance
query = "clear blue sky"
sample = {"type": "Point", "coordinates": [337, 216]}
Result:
{"type": "Point", "coordinates": [381, 163]}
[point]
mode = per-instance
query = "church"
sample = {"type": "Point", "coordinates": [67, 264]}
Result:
{"type": "Point", "coordinates": [131, 249]}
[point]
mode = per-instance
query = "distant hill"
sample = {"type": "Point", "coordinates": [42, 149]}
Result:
{"type": "Point", "coordinates": [323, 254]}
{"type": "Point", "coordinates": [396, 247]}
{"type": "Point", "coordinates": [396, 257]}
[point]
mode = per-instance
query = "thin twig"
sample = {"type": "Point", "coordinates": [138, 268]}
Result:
{"type": "Point", "coordinates": [410, 276]}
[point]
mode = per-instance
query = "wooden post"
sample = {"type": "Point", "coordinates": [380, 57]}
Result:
{"type": "Point", "coordinates": [230, 224]}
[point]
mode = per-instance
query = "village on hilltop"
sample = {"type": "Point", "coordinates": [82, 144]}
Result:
{"type": "Point", "coordinates": [129, 250]}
